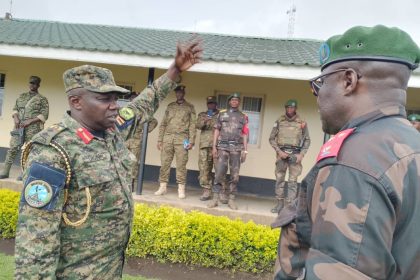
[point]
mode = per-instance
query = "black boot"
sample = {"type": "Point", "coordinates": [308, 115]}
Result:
{"type": "Point", "coordinates": [278, 207]}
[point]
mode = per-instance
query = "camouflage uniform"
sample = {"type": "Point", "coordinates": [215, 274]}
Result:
{"type": "Point", "coordinates": [230, 123]}
{"type": "Point", "coordinates": [50, 243]}
{"type": "Point", "coordinates": [177, 125]}
{"type": "Point", "coordinates": [134, 145]}
{"type": "Point", "coordinates": [350, 203]}
{"type": "Point", "coordinates": [289, 135]}
{"type": "Point", "coordinates": [205, 157]}
{"type": "Point", "coordinates": [28, 105]}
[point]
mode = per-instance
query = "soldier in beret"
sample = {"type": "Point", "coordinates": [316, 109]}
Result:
{"type": "Point", "coordinates": [290, 139]}
{"type": "Point", "coordinates": [76, 207]}
{"type": "Point", "coordinates": [415, 121]}
{"type": "Point", "coordinates": [357, 211]}
{"type": "Point", "coordinates": [176, 138]}
{"type": "Point", "coordinates": [205, 123]}
{"type": "Point", "coordinates": [29, 115]}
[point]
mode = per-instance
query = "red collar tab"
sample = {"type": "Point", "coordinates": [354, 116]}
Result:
{"type": "Point", "coordinates": [333, 145]}
{"type": "Point", "coordinates": [84, 134]}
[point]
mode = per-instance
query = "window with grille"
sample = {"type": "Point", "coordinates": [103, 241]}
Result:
{"type": "Point", "coordinates": [2, 81]}
{"type": "Point", "coordinates": [251, 106]}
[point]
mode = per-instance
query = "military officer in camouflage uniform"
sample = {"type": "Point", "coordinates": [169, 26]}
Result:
{"type": "Point", "coordinates": [290, 139]}
{"type": "Point", "coordinates": [176, 138]}
{"type": "Point", "coordinates": [357, 212]}
{"type": "Point", "coordinates": [229, 149]}
{"type": "Point", "coordinates": [134, 143]}
{"type": "Point", "coordinates": [76, 208]}
{"type": "Point", "coordinates": [29, 114]}
{"type": "Point", "coordinates": [415, 121]}
{"type": "Point", "coordinates": [205, 123]}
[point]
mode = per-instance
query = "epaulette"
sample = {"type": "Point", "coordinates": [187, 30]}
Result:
{"type": "Point", "coordinates": [332, 147]}
{"type": "Point", "coordinates": [47, 135]}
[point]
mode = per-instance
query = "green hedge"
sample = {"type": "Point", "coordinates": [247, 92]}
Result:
{"type": "Point", "coordinates": [170, 234]}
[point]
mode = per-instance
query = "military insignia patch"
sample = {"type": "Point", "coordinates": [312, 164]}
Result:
{"type": "Point", "coordinates": [38, 193]}
{"type": "Point", "coordinates": [126, 113]}
{"type": "Point", "coordinates": [324, 53]}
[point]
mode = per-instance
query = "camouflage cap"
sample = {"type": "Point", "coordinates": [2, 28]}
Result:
{"type": "Point", "coordinates": [211, 99]}
{"type": "Point", "coordinates": [234, 95]}
{"type": "Point", "coordinates": [35, 80]}
{"type": "Point", "coordinates": [92, 78]}
{"type": "Point", "coordinates": [290, 103]}
{"type": "Point", "coordinates": [180, 87]}
{"type": "Point", "coordinates": [413, 118]}
{"type": "Point", "coordinates": [378, 43]}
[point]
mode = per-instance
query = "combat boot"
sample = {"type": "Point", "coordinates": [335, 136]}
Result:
{"type": "Point", "coordinates": [162, 189]}
{"type": "Point", "coordinates": [181, 191]}
{"type": "Point", "coordinates": [223, 197]}
{"type": "Point", "coordinates": [206, 195]}
{"type": "Point", "coordinates": [231, 202]}
{"type": "Point", "coordinates": [279, 206]}
{"type": "Point", "coordinates": [214, 202]}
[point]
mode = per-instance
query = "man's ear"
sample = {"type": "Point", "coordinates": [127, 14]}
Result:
{"type": "Point", "coordinates": [75, 102]}
{"type": "Point", "coordinates": [350, 80]}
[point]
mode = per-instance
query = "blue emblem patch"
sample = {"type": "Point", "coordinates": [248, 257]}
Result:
{"type": "Point", "coordinates": [42, 186]}
{"type": "Point", "coordinates": [38, 193]}
{"type": "Point", "coordinates": [324, 53]}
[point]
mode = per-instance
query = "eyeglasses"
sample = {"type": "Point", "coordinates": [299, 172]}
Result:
{"type": "Point", "coordinates": [317, 82]}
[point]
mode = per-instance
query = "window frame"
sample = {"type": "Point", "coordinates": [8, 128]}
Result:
{"type": "Point", "coordinates": [2, 72]}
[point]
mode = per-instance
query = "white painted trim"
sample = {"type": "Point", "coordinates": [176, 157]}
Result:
{"type": "Point", "coordinates": [226, 68]}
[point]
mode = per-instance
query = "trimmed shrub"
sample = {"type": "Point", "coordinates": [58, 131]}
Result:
{"type": "Point", "coordinates": [170, 234]}
{"type": "Point", "coordinates": [9, 202]}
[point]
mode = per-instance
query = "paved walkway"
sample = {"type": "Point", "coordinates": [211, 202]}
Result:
{"type": "Point", "coordinates": [252, 208]}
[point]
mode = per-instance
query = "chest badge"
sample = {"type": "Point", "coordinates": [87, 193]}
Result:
{"type": "Point", "coordinates": [38, 193]}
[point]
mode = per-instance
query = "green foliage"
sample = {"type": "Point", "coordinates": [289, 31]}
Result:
{"type": "Point", "coordinates": [7, 264]}
{"type": "Point", "coordinates": [9, 202]}
{"type": "Point", "coordinates": [170, 234]}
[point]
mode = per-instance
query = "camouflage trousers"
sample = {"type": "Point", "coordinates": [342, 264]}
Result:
{"type": "Point", "coordinates": [225, 160]}
{"type": "Point", "coordinates": [134, 145]}
{"type": "Point", "coordinates": [170, 150]}
{"type": "Point", "coordinates": [205, 166]}
{"type": "Point", "coordinates": [14, 149]}
{"type": "Point", "coordinates": [295, 169]}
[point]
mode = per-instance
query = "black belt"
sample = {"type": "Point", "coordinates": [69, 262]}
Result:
{"type": "Point", "coordinates": [290, 149]}
{"type": "Point", "coordinates": [229, 142]}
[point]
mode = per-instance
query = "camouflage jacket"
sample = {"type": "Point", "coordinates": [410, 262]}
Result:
{"type": "Point", "coordinates": [294, 129]}
{"type": "Point", "coordinates": [32, 105]}
{"type": "Point", "coordinates": [48, 247]}
{"type": "Point", "coordinates": [138, 132]}
{"type": "Point", "coordinates": [178, 124]}
{"type": "Point", "coordinates": [357, 213]}
{"type": "Point", "coordinates": [206, 128]}
{"type": "Point", "coordinates": [231, 124]}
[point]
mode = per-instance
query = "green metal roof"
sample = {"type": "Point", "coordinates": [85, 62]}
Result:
{"type": "Point", "coordinates": [159, 43]}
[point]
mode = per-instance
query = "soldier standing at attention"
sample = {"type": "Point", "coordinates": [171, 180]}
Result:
{"type": "Point", "coordinates": [205, 123]}
{"type": "Point", "coordinates": [29, 115]}
{"type": "Point", "coordinates": [76, 208]}
{"type": "Point", "coordinates": [290, 139]}
{"type": "Point", "coordinates": [229, 149]}
{"type": "Point", "coordinates": [135, 142]}
{"type": "Point", "coordinates": [357, 212]}
{"type": "Point", "coordinates": [176, 137]}
{"type": "Point", "coordinates": [415, 121]}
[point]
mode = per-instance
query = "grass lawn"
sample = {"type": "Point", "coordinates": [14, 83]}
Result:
{"type": "Point", "coordinates": [7, 264]}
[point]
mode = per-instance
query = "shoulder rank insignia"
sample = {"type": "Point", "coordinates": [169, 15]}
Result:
{"type": "Point", "coordinates": [84, 134]}
{"type": "Point", "coordinates": [38, 193]}
{"type": "Point", "coordinates": [332, 147]}
{"type": "Point", "coordinates": [126, 113]}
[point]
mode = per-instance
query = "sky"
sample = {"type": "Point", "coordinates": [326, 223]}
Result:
{"type": "Point", "coordinates": [313, 19]}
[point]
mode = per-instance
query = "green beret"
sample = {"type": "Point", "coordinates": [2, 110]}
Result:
{"type": "Point", "coordinates": [92, 78]}
{"type": "Point", "coordinates": [180, 87]}
{"type": "Point", "coordinates": [413, 118]}
{"type": "Point", "coordinates": [291, 103]}
{"type": "Point", "coordinates": [211, 99]}
{"type": "Point", "coordinates": [378, 43]}
{"type": "Point", "coordinates": [234, 95]}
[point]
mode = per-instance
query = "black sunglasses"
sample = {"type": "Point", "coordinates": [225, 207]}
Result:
{"type": "Point", "coordinates": [317, 82]}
